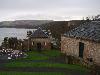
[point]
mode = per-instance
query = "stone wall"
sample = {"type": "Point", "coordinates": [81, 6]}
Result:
{"type": "Point", "coordinates": [70, 46]}
{"type": "Point", "coordinates": [45, 43]}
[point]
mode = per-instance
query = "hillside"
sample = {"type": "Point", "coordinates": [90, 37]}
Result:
{"type": "Point", "coordinates": [23, 23]}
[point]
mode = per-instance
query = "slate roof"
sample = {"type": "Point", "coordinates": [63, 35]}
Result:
{"type": "Point", "coordinates": [89, 30]}
{"type": "Point", "coordinates": [39, 33]}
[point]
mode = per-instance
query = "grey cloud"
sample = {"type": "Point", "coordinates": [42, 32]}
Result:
{"type": "Point", "coordinates": [55, 8]}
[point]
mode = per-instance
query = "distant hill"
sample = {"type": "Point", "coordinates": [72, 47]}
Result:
{"type": "Point", "coordinates": [23, 23]}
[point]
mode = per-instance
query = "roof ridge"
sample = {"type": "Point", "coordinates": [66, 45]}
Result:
{"type": "Point", "coordinates": [39, 33]}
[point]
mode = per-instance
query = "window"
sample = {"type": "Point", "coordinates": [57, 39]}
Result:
{"type": "Point", "coordinates": [45, 43]}
{"type": "Point", "coordinates": [81, 49]}
{"type": "Point", "coordinates": [33, 43]}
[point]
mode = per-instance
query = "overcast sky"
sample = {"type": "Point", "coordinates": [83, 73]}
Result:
{"type": "Point", "coordinates": [48, 9]}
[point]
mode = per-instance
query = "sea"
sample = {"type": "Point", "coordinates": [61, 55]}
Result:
{"type": "Point", "coordinates": [13, 32]}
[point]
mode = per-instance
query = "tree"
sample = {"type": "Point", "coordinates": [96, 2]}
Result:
{"type": "Point", "coordinates": [29, 33]}
{"type": "Point", "coordinates": [5, 43]}
{"type": "Point", "coordinates": [97, 17]}
{"type": "Point", "coordinates": [11, 42]}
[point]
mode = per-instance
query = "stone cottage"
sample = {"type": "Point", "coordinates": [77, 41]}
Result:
{"type": "Point", "coordinates": [83, 42]}
{"type": "Point", "coordinates": [40, 40]}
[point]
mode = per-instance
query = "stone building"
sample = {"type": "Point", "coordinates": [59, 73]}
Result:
{"type": "Point", "coordinates": [83, 42]}
{"type": "Point", "coordinates": [39, 40]}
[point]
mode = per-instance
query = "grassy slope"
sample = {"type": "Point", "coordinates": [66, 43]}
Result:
{"type": "Point", "coordinates": [33, 55]}
{"type": "Point", "coordinates": [31, 73]}
{"type": "Point", "coordinates": [45, 64]}
{"type": "Point", "coordinates": [43, 56]}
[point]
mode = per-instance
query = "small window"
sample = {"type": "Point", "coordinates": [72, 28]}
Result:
{"type": "Point", "coordinates": [32, 43]}
{"type": "Point", "coordinates": [45, 43]}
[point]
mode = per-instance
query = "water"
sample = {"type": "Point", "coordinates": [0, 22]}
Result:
{"type": "Point", "coordinates": [13, 32]}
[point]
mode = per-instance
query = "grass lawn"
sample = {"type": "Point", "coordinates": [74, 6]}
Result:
{"type": "Point", "coordinates": [45, 64]}
{"type": "Point", "coordinates": [31, 73]}
{"type": "Point", "coordinates": [41, 56]}
{"type": "Point", "coordinates": [52, 53]}
{"type": "Point", "coordinates": [34, 55]}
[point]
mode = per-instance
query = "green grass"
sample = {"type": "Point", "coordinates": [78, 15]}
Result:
{"type": "Point", "coordinates": [33, 55]}
{"type": "Point", "coordinates": [36, 56]}
{"type": "Point", "coordinates": [52, 53]}
{"type": "Point", "coordinates": [45, 64]}
{"type": "Point", "coordinates": [46, 54]}
{"type": "Point", "coordinates": [31, 73]}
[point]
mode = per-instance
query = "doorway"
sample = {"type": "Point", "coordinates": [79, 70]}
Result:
{"type": "Point", "coordinates": [81, 49]}
{"type": "Point", "coordinates": [39, 47]}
